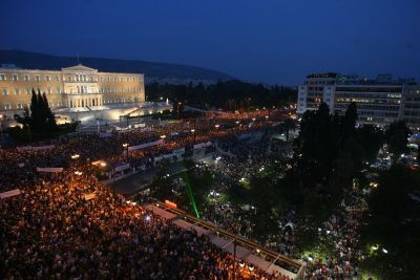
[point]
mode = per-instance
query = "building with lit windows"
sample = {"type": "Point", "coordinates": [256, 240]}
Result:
{"type": "Point", "coordinates": [410, 110]}
{"type": "Point", "coordinates": [311, 93]}
{"type": "Point", "coordinates": [77, 92]}
{"type": "Point", "coordinates": [72, 87]}
{"type": "Point", "coordinates": [379, 101]}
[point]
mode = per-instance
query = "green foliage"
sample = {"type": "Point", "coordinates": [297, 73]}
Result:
{"type": "Point", "coordinates": [371, 139]}
{"type": "Point", "coordinates": [331, 145]}
{"type": "Point", "coordinates": [393, 224]}
{"type": "Point", "coordinates": [229, 95]}
{"type": "Point", "coordinates": [396, 137]}
{"type": "Point", "coordinates": [38, 123]}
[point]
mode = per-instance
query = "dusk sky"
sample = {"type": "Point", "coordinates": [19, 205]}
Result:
{"type": "Point", "coordinates": [274, 41]}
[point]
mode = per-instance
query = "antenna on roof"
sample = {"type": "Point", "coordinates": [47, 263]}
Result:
{"type": "Point", "coordinates": [78, 59]}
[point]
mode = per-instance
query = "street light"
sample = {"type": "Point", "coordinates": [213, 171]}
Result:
{"type": "Point", "coordinates": [125, 146]}
{"type": "Point", "coordinates": [75, 156]}
{"type": "Point", "coordinates": [162, 137]}
{"type": "Point", "coordinates": [192, 131]}
{"type": "Point", "coordinates": [217, 126]}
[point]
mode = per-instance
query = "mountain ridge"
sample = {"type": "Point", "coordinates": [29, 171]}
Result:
{"type": "Point", "coordinates": [153, 71]}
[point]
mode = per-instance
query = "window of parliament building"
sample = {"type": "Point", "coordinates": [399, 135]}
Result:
{"type": "Point", "coordinates": [72, 87]}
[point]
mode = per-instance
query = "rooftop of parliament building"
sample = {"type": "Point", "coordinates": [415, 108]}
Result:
{"type": "Point", "coordinates": [331, 78]}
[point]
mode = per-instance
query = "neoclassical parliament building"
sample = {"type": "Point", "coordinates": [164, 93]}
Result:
{"type": "Point", "coordinates": [76, 88]}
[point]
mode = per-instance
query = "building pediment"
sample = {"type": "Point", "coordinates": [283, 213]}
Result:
{"type": "Point", "coordinates": [79, 67]}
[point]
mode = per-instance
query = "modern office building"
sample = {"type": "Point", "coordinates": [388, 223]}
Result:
{"type": "Point", "coordinates": [379, 101]}
{"type": "Point", "coordinates": [410, 110]}
{"type": "Point", "coordinates": [311, 93]}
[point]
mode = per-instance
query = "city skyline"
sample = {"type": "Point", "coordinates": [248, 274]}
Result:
{"type": "Point", "coordinates": [273, 42]}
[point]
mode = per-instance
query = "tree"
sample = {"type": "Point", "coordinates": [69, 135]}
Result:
{"type": "Point", "coordinates": [349, 120]}
{"type": "Point", "coordinates": [397, 138]}
{"type": "Point", "coordinates": [392, 223]}
{"type": "Point", "coordinates": [371, 139]}
{"type": "Point", "coordinates": [48, 115]}
{"type": "Point", "coordinates": [40, 120]}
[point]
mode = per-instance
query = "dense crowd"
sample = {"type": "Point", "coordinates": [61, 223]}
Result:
{"type": "Point", "coordinates": [341, 230]}
{"type": "Point", "coordinates": [238, 159]}
{"type": "Point", "coordinates": [52, 231]}
{"type": "Point", "coordinates": [68, 225]}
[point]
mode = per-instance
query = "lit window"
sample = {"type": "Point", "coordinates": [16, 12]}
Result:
{"type": "Point", "coordinates": [4, 92]}
{"type": "Point", "coordinates": [15, 77]}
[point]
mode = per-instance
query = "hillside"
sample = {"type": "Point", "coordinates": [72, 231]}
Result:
{"type": "Point", "coordinates": [153, 71]}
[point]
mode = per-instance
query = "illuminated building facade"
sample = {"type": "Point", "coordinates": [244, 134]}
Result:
{"type": "Point", "coordinates": [75, 88]}
{"type": "Point", "coordinates": [311, 93]}
{"type": "Point", "coordinates": [380, 101]}
{"type": "Point", "coordinates": [411, 105]}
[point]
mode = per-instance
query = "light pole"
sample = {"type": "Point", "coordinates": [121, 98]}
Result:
{"type": "Point", "coordinates": [1, 128]}
{"type": "Point", "coordinates": [125, 146]}
{"type": "Point", "coordinates": [234, 258]}
{"type": "Point", "coordinates": [193, 133]}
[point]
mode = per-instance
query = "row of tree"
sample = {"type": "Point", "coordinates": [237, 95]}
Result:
{"type": "Point", "coordinates": [39, 119]}
{"type": "Point", "coordinates": [393, 225]}
{"type": "Point", "coordinates": [331, 144]}
{"type": "Point", "coordinates": [228, 95]}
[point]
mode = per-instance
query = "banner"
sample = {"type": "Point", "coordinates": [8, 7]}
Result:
{"type": "Point", "coordinates": [38, 148]}
{"type": "Point", "coordinates": [122, 167]}
{"type": "Point", "coordinates": [202, 145]}
{"type": "Point", "coordinates": [146, 145]}
{"type": "Point", "coordinates": [90, 196]}
{"type": "Point", "coordinates": [49, 169]}
{"type": "Point", "coordinates": [11, 193]}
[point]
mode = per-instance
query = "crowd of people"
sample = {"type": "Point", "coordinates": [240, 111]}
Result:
{"type": "Point", "coordinates": [69, 225]}
{"type": "Point", "coordinates": [243, 158]}
{"type": "Point", "coordinates": [238, 159]}
{"type": "Point", "coordinates": [341, 230]}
